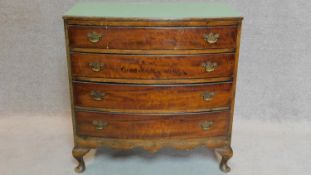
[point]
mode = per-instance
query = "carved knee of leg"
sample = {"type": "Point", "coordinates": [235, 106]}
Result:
{"type": "Point", "coordinates": [78, 154]}
{"type": "Point", "coordinates": [226, 153]}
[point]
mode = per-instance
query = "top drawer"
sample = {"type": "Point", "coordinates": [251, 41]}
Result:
{"type": "Point", "coordinates": [152, 38]}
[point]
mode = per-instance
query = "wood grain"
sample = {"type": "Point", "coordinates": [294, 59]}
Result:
{"type": "Point", "coordinates": [151, 67]}
{"type": "Point", "coordinates": [152, 38]}
{"type": "Point", "coordinates": [151, 145]}
{"type": "Point", "coordinates": [152, 126]}
{"type": "Point", "coordinates": [234, 83]}
{"type": "Point", "coordinates": [151, 52]}
{"type": "Point", "coordinates": [148, 98]}
{"type": "Point", "coordinates": [130, 22]}
{"type": "Point", "coordinates": [167, 81]}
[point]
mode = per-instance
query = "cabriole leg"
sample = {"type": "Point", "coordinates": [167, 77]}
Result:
{"type": "Point", "coordinates": [78, 154]}
{"type": "Point", "coordinates": [226, 153]}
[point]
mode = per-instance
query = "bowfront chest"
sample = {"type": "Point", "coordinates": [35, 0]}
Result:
{"type": "Point", "coordinates": [152, 76]}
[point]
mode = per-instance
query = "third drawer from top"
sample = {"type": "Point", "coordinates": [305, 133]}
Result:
{"type": "Point", "coordinates": [152, 98]}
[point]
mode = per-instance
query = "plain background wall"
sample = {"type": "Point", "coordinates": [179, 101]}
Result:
{"type": "Point", "coordinates": [271, 133]}
{"type": "Point", "coordinates": [274, 72]}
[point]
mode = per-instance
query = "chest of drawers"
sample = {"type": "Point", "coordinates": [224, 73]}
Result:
{"type": "Point", "coordinates": [152, 76]}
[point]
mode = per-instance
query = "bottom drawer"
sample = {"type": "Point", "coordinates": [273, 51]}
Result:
{"type": "Point", "coordinates": [152, 126]}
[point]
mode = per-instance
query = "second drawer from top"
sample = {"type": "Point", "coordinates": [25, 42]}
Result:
{"type": "Point", "coordinates": [152, 67]}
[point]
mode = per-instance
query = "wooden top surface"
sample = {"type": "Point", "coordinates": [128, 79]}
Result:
{"type": "Point", "coordinates": [152, 10]}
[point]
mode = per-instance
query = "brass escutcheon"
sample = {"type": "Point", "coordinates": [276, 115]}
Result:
{"type": "Point", "coordinates": [206, 125]}
{"type": "Point", "coordinates": [99, 125]}
{"type": "Point", "coordinates": [96, 67]}
{"type": "Point", "coordinates": [207, 96]}
{"type": "Point", "coordinates": [96, 95]}
{"type": "Point", "coordinates": [209, 66]}
{"type": "Point", "coordinates": [94, 37]}
{"type": "Point", "coordinates": [211, 38]}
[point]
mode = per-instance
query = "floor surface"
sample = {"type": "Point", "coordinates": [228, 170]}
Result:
{"type": "Point", "coordinates": [38, 145]}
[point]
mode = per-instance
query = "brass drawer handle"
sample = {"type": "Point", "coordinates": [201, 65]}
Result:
{"type": "Point", "coordinates": [209, 66]}
{"type": "Point", "coordinates": [207, 96]}
{"type": "Point", "coordinates": [96, 95]}
{"type": "Point", "coordinates": [94, 37]}
{"type": "Point", "coordinates": [99, 125]}
{"type": "Point", "coordinates": [96, 67]}
{"type": "Point", "coordinates": [206, 125]}
{"type": "Point", "coordinates": [211, 38]}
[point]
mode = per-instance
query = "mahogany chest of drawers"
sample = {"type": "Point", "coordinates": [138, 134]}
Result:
{"type": "Point", "coordinates": [152, 76]}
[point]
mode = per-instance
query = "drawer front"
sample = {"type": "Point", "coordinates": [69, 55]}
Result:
{"type": "Point", "coordinates": [148, 98]}
{"type": "Point", "coordinates": [163, 38]}
{"type": "Point", "coordinates": [152, 67]}
{"type": "Point", "coordinates": [152, 126]}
